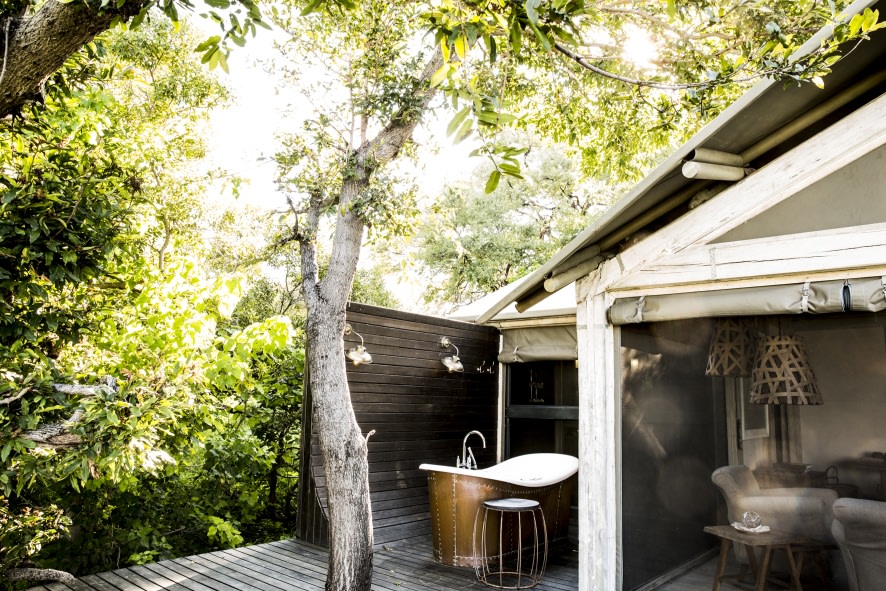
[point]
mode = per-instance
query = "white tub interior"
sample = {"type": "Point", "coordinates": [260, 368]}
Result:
{"type": "Point", "coordinates": [527, 470]}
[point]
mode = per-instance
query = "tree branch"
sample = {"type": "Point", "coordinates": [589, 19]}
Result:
{"type": "Point", "coordinates": [39, 44]}
{"type": "Point", "coordinates": [632, 81]}
{"type": "Point", "coordinates": [665, 25]}
{"type": "Point", "coordinates": [11, 399]}
{"type": "Point", "coordinates": [39, 574]}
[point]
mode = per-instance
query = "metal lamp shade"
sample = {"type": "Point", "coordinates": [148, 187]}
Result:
{"type": "Point", "coordinates": [359, 355]}
{"type": "Point", "coordinates": [732, 349]}
{"type": "Point", "coordinates": [453, 364]}
{"type": "Point", "coordinates": [782, 374]}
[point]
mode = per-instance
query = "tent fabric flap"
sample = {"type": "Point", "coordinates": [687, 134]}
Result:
{"type": "Point", "coordinates": [544, 343]}
{"type": "Point", "coordinates": [816, 297]}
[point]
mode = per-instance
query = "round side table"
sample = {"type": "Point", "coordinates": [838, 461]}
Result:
{"type": "Point", "coordinates": [521, 552]}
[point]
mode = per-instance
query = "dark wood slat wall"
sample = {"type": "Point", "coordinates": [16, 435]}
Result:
{"type": "Point", "coordinates": [420, 413]}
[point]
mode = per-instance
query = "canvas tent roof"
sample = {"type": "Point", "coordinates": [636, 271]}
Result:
{"type": "Point", "coordinates": [559, 307]}
{"type": "Point", "coordinates": [752, 126]}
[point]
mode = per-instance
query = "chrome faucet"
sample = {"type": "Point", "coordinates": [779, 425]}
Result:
{"type": "Point", "coordinates": [467, 459]}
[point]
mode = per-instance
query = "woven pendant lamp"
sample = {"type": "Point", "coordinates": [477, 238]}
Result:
{"type": "Point", "coordinates": [732, 348]}
{"type": "Point", "coordinates": [782, 374]}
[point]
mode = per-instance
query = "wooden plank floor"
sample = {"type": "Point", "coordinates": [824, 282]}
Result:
{"type": "Point", "coordinates": [294, 565]}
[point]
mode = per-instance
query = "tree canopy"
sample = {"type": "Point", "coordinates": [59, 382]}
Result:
{"type": "Point", "coordinates": [102, 274]}
{"type": "Point", "coordinates": [472, 243]}
{"type": "Point", "coordinates": [104, 266]}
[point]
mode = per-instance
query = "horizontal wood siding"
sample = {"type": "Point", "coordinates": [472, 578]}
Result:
{"type": "Point", "coordinates": [420, 413]}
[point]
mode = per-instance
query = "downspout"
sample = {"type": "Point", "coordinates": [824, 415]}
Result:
{"type": "Point", "coordinates": [781, 135]}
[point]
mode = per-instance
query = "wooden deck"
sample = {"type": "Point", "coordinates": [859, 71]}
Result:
{"type": "Point", "coordinates": [294, 565]}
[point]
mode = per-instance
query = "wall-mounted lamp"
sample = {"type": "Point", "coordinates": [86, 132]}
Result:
{"type": "Point", "coordinates": [358, 355]}
{"type": "Point", "coordinates": [451, 362]}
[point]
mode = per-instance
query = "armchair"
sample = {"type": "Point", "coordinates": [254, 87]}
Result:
{"type": "Point", "coordinates": [806, 512]}
{"type": "Point", "coordinates": [860, 529]}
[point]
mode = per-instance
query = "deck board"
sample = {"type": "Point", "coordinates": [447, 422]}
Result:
{"type": "Point", "coordinates": [294, 565]}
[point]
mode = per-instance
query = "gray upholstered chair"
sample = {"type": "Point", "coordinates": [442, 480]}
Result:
{"type": "Point", "coordinates": [806, 512]}
{"type": "Point", "coordinates": [860, 529]}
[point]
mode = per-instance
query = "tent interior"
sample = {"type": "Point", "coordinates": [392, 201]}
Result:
{"type": "Point", "coordinates": [678, 425]}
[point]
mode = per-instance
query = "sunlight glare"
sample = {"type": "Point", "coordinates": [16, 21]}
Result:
{"type": "Point", "coordinates": [638, 48]}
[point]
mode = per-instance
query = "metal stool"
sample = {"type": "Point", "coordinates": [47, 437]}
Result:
{"type": "Point", "coordinates": [510, 573]}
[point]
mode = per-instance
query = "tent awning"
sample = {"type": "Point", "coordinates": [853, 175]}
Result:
{"type": "Point", "coordinates": [821, 297]}
{"type": "Point", "coordinates": [547, 343]}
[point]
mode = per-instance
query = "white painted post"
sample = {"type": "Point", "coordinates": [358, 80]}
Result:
{"type": "Point", "coordinates": [598, 413]}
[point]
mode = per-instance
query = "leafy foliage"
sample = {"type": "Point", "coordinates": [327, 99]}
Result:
{"type": "Point", "coordinates": [64, 203]}
{"type": "Point", "coordinates": [567, 68]}
{"type": "Point", "coordinates": [476, 242]}
{"type": "Point", "coordinates": [198, 447]}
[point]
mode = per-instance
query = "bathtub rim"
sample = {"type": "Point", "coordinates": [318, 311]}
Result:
{"type": "Point", "coordinates": [567, 466]}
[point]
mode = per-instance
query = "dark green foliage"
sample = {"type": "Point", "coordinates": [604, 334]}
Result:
{"type": "Point", "coordinates": [63, 206]}
{"type": "Point", "coordinates": [198, 450]}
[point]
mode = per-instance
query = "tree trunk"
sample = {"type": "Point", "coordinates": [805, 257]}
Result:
{"type": "Point", "coordinates": [344, 452]}
{"type": "Point", "coordinates": [342, 444]}
{"type": "Point", "coordinates": [34, 47]}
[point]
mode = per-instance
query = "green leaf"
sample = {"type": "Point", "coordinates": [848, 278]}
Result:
{"type": "Point", "coordinates": [223, 61]}
{"type": "Point", "coordinates": [440, 75]}
{"type": "Point", "coordinates": [532, 11]}
{"type": "Point", "coordinates": [6, 449]}
{"type": "Point", "coordinates": [312, 7]}
{"type": "Point", "coordinates": [494, 118]}
{"type": "Point", "coordinates": [465, 130]}
{"type": "Point", "coordinates": [542, 38]}
{"type": "Point", "coordinates": [817, 80]}
{"type": "Point", "coordinates": [855, 24]}
{"type": "Point", "coordinates": [457, 121]}
{"type": "Point", "coordinates": [492, 183]}
{"type": "Point", "coordinates": [211, 42]}
{"type": "Point", "coordinates": [461, 46]}
{"type": "Point", "coordinates": [510, 169]}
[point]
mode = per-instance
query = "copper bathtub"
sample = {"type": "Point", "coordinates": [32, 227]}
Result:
{"type": "Point", "coordinates": [456, 494]}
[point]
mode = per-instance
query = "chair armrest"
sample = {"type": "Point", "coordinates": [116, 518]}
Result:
{"type": "Point", "coordinates": [808, 516]}
{"type": "Point", "coordinates": [827, 495]}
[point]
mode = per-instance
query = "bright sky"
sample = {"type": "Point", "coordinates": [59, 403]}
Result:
{"type": "Point", "coordinates": [242, 136]}
{"type": "Point", "coordinates": [241, 139]}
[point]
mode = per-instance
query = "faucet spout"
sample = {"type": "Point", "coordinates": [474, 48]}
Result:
{"type": "Point", "coordinates": [467, 455]}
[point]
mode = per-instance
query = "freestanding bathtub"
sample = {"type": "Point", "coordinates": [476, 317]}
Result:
{"type": "Point", "coordinates": [456, 494]}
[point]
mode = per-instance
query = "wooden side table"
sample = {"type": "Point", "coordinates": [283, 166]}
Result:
{"type": "Point", "coordinates": [795, 547]}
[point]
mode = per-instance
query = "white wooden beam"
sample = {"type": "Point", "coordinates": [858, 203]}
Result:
{"type": "Point", "coordinates": [761, 281]}
{"type": "Point", "coordinates": [834, 148]}
{"type": "Point", "coordinates": [841, 250]}
{"type": "Point", "coordinates": [599, 426]}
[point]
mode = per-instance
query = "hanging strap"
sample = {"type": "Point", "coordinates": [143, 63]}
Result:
{"type": "Point", "coordinates": [804, 301]}
{"type": "Point", "coordinates": [641, 301]}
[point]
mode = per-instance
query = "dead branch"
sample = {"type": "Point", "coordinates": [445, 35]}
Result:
{"type": "Point", "coordinates": [39, 574]}
{"type": "Point", "coordinates": [11, 399]}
